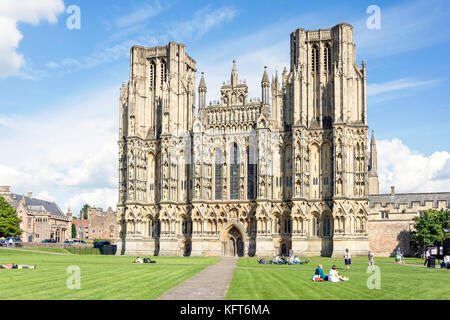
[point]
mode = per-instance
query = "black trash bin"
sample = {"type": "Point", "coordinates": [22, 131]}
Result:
{"type": "Point", "coordinates": [431, 262]}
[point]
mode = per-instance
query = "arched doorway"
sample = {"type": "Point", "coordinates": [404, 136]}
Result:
{"type": "Point", "coordinates": [233, 243]}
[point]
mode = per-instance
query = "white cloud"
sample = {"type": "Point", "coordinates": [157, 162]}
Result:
{"type": "Point", "coordinates": [100, 198]}
{"type": "Point", "coordinates": [44, 195]}
{"type": "Point", "coordinates": [410, 171]}
{"type": "Point", "coordinates": [143, 12]}
{"type": "Point", "coordinates": [203, 21]}
{"type": "Point", "coordinates": [65, 150]}
{"type": "Point", "coordinates": [396, 85]}
{"type": "Point", "coordinates": [27, 11]}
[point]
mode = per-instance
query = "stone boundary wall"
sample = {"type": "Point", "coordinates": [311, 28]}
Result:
{"type": "Point", "coordinates": [52, 245]}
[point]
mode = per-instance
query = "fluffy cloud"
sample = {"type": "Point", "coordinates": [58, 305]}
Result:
{"type": "Point", "coordinates": [410, 171]}
{"type": "Point", "coordinates": [27, 11]}
{"type": "Point", "coordinates": [68, 152]}
{"type": "Point", "coordinates": [100, 198]}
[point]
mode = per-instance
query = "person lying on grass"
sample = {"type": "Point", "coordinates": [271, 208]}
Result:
{"type": "Point", "coordinates": [17, 266]}
{"type": "Point", "coordinates": [145, 260]}
{"type": "Point", "coordinates": [334, 276]}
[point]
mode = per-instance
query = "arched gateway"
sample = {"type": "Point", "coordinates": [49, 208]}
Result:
{"type": "Point", "coordinates": [232, 242]}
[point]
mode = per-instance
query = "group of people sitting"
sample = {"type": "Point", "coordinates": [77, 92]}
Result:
{"type": "Point", "coordinates": [16, 266]}
{"type": "Point", "coordinates": [333, 275]}
{"type": "Point", "coordinates": [399, 258]}
{"type": "Point", "coordinates": [144, 260]}
{"type": "Point", "coordinates": [282, 260]}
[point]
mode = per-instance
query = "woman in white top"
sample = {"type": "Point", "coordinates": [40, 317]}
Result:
{"type": "Point", "coordinates": [334, 276]}
{"type": "Point", "coordinates": [347, 258]}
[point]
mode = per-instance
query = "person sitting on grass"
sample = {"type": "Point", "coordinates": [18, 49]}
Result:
{"type": "Point", "coordinates": [319, 272]}
{"type": "Point", "coordinates": [138, 260]}
{"type": "Point", "coordinates": [276, 260]}
{"type": "Point", "coordinates": [334, 276]}
{"type": "Point", "coordinates": [402, 258]}
{"type": "Point", "coordinates": [397, 257]}
{"type": "Point", "coordinates": [446, 262]}
{"type": "Point", "coordinates": [297, 260]}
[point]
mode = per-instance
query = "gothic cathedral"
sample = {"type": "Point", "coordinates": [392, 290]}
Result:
{"type": "Point", "coordinates": [287, 172]}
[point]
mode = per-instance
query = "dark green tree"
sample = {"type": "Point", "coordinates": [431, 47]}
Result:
{"type": "Point", "coordinates": [84, 211]}
{"type": "Point", "coordinates": [430, 228]}
{"type": "Point", "coordinates": [9, 221]}
{"type": "Point", "coordinates": [74, 231]}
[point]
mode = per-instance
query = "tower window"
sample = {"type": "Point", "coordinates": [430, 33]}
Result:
{"type": "Point", "coordinates": [315, 59]}
{"type": "Point", "coordinates": [152, 74]}
{"type": "Point", "coordinates": [218, 175]}
{"type": "Point", "coordinates": [327, 58]}
{"type": "Point", "coordinates": [163, 72]}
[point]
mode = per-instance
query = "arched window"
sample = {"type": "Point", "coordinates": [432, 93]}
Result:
{"type": "Point", "coordinates": [152, 74]}
{"type": "Point", "coordinates": [315, 59]}
{"type": "Point", "coordinates": [234, 172]}
{"type": "Point", "coordinates": [327, 226]}
{"type": "Point", "coordinates": [163, 72]}
{"type": "Point", "coordinates": [218, 175]}
{"type": "Point", "coordinates": [251, 172]}
{"type": "Point", "coordinates": [327, 58]}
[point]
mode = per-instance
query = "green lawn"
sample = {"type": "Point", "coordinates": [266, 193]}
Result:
{"type": "Point", "coordinates": [252, 281]}
{"type": "Point", "coordinates": [102, 277]}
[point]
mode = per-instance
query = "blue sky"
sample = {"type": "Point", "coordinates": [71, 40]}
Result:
{"type": "Point", "coordinates": [59, 87]}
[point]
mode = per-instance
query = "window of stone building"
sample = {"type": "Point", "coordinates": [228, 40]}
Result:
{"type": "Point", "coordinates": [163, 72]}
{"type": "Point", "coordinates": [152, 74]}
{"type": "Point", "coordinates": [327, 58]}
{"type": "Point", "coordinates": [234, 172]}
{"type": "Point", "coordinates": [218, 175]}
{"type": "Point", "coordinates": [315, 59]}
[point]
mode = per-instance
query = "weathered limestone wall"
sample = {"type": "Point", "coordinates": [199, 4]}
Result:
{"type": "Point", "coordinates": [386, 236]}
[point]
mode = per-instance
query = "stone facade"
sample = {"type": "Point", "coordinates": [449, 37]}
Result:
{"type": "Point", "coordinates": [246, 176]}
{"type": "Point", "coordinates": [40, 219]}
{"type": "Point", "coordinates": [391, 219]}
{"type": "Point", "coordinates": [99, 225]}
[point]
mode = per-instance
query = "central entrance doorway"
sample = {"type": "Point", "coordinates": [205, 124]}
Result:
{"type": "Point", "coordinates": [233, 244]}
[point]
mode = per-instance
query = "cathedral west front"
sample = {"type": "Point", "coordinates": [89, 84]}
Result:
{"type": "Point", "coordinates": [246, 176]}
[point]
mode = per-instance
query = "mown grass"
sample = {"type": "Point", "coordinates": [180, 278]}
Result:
{"type": "Point", "coordinates": [252, 281]}
{"type": "Point", "coordinates": [102, 277]}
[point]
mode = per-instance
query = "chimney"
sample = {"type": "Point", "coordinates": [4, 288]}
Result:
{"type": "Point", "coordinates": [30, 194]}
{"type": "Point", "coordinates": [392, 191]}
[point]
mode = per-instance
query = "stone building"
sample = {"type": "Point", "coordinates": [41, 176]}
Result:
{"type": "Point", "coordinates": [40, 219]}
{"type": "Point", "coordinates": [246, 176]}
{"type": "Point", "coordinates": [99, 225]}
{"type": "Point", "coordinates": [103, 225]}
{"type": "Point", "coordinates": [391, 215]}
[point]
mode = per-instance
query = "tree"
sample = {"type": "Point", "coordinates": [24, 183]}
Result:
{"type": "Point", "coordinates": [430, 228]}
{"type": "Point", "coordinates": [84, 211]}
{"type": "Point", "coordinates": [74, 231]}
{"type": "Point", "coordinates": [9, 221]}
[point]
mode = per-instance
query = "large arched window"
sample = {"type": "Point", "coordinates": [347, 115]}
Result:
{"type": "Point", "coordinates": [234, 172]}
{"type": "Point", "coordinates": [251, 172]}
{"type": "Point", "coordinates": [218, 175]}
{"type": "Point", "coordinates": [152, 74]}
{"type": "Point", "coordinates": [315, 59]}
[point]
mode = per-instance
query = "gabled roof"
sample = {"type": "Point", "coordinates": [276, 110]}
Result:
{"type": "Point", "coordinates": [34, 204]}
